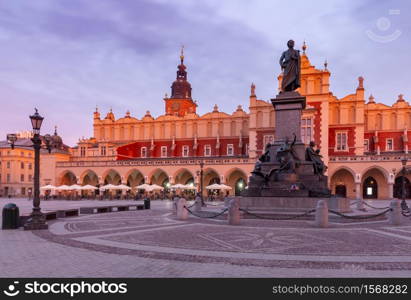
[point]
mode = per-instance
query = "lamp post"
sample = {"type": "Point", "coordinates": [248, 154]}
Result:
{"type": "Point", "coordinates": [37, 219]}
{"type": "Point", "coordinates": [200, 174]}
{"type": "Point", "coordinates": [404, 205]}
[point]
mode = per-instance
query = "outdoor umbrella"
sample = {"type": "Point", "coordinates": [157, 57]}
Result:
{"type": "Point", "coordinates": [123, 187]}
{"type": "Point", "coordinates": [178, 186]}
{"type": "Point", "coordinates": [214, 186]}
{"type": "Point", "coordinates": [63, 188]}
{"type": "Point", "coordinates": [88, 187]}
{"type": "Point", "coordinates": [142, 186]}
{"type": "Point", "coordinates": [48, 187]}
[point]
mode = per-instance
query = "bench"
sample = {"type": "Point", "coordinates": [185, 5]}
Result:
{"type": "Point", "coordinates": [111, 208]}
{"type": "Point", "coordinates": [67, 213]}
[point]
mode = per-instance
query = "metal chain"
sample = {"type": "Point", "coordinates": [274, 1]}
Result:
{"type": "Point", "coordinates": [359, 217]}
{"type": "Point", "coordinates": [222, 204]}
{"type": "Point", "coordinates": [374, 206]}
{"type": "Point", "coordinates": [277, 219]}
{"type": "Point", "coordinates": [209, 217]}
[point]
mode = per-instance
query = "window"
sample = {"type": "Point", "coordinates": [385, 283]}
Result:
{"type": "Point", "coordinates": [8, 165]}
{"type": "Point", "coordinates": [22, 177]}
{"type": "Point", "coordinates": [207, 150]}
{"type": "Point", "coordinates": [230, 150]}
{"type": "Point", "coordinates": [306, 130]}
{"type": "Point", "coordinates": [82, 151]}
{"type": "Point", "coordinates": [22, 153]}
{"type": "Point", "coordinates": [30, 166]}
{"type": "Point", "coordinates": [268, 139]}
{"type": "Point", "coordinates": [103, 150]}
{"type": "Point", "coordinates": [246, 149]}
{"type": "Point", "coordinates": [366, 145]}
{"type": "Point", "coordinates": [185, 151]}
{"type": "Point", "coordinates": [22, 165]}
{"type": "Point", "coordinates": [29, 154]}
{"type": "Point", "coordinates": [30, 177]}
{"type": "Point", "coordinates": [341, 138]}
{"type": "Point", "coordinates": [143, 152]}
{"type": "Point", "coordinates": [390, 145]}
{"type": "Point", "coordinates": [163, 151]}
{"type": "Point", "coordinates": [8, 178]}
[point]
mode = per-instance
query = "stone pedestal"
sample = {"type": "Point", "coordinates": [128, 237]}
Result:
{"type": "Point", "coordinates": [321, 214]}
{"type": "Point", "coordinates": [288, 107]}
{"type": "Point", "coordinates": [234, 212]}
{"type": "Point", "coordinates": [394, 216]}
{"type": "Point", "coordinates": [182, 213]}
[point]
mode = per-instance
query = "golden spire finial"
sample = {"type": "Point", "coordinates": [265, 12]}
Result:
{"type": "Point", "coordinates": [182, 54]}
{"type": "Point", "coordinates": [304, 47]}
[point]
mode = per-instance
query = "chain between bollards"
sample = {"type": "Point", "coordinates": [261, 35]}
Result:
{"type": "Point", "coordinates": [206, 217]}
{"type": "Point", "coordinates": [278, 219]}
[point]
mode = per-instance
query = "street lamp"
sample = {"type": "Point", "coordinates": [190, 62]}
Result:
{"type": "Point", "coordinates": [37, 219]}
{"type": "Point", "coordinates": [200, 174]}
{"type": "Point", "coordinates": [404, 205]}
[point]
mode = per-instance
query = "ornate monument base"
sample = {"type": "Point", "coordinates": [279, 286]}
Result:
{"type": "Point", "coordinates": [288, 175]}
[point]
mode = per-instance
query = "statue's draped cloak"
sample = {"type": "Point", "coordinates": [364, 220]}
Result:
{"type": "Point", "coordinates": [291, 72]}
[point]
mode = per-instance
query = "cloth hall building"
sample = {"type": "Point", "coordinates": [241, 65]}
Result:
{"type": "Point", "coordinates": [362, 141]}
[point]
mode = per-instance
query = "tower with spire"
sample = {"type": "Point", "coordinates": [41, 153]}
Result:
{"type": "Point", "coordinates": [180, 103]}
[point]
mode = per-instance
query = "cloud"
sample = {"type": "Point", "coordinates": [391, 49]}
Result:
{"type": "Point", "coordinates": [66, 57]}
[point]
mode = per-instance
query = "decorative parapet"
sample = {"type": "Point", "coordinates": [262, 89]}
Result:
{"type": "Point", "coordinates": [361, 158]}
{"type": "Point", "coordinates": [158, 162]}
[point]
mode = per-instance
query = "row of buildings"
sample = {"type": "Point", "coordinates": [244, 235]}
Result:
{"type": "Point", "coordinates": [362, 142]}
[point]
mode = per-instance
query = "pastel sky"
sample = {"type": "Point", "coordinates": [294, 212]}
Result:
{"type": "Point", "coordinates": [66, 57]}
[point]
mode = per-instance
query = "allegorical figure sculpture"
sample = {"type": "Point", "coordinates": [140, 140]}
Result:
{"type": "Point", "coordinates": [287, 157]}
{"type": "Point", "coordinates": [290, 64]}
{"type": "Point", "coordinates": [316, 158]}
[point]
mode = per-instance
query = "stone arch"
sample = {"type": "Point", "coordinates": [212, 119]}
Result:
{"type": "Point", "coordinates": [237, 180]}
{"type": "Point", "coordinates": [111, 176]}
{"type": "Point", "coordinates": [374, 182]}
{"type": "Point", "coordinates": [67, 177]}
{"type": "Point", "coordinates": [397, 188]}
{"type": "Point", "coordinates": [159, 177]}
{"type": "Point", "coordinates": [183, 176]}
{"type": "Point", "coordinates": [89, 177]}
{"type": "Point", "coordinates": [134, 177]}
{"type": "Point", "coordinates": [342, 182]}
{"type": "Point", "coordinates": [210, 176]}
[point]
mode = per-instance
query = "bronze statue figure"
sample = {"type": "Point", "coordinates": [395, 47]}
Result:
{"type": "Point", "coordinates": [316, 158]}
{"type": "Point", "coordinates": [287, 157]}
{"type": "Point", "coordinates": [290, 64]}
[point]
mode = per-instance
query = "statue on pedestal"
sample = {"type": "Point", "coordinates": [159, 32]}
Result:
{"type": "Point", "coordinates": [316, 158]}
{"type": "Point", "coordinates": [290, 64]}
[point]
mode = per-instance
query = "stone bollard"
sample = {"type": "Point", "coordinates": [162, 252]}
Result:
{"type": "Point", "coordinates": [227, 201]}
{"type": "Point", "coordinates": [182, 213]}
{"type": "Point", "coordinates": [234, 212]}
{"type": "Point", "coordinates": [175, 201]}
{"type": "Point", "coordinates": [197, 204]}
{"type": "Point", "coordinates": [321, 214]}
{"type": "Point", "coordinates": [394, 216]}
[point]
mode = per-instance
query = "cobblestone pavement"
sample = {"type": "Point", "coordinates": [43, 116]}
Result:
{"type": "Point", "coordinates": [152, 243]}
